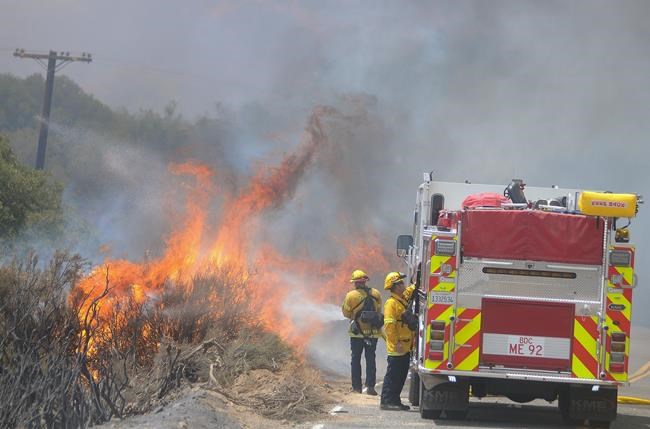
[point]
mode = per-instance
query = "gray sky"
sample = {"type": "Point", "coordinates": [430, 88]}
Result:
{"type": "Point", "coordinates": [556, 92]}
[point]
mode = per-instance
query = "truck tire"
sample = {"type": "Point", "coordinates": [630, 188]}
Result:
{"type": "Point", "coordinates": [414, 389]}
{"type": "Point", "coordinates": [580, 403]}
{"type": "Point", "coordinates": [564, 403]}
{"type": "Point", "coordinates": [430, 414]}
{"type": "Point", "coordinates": [426, 413]}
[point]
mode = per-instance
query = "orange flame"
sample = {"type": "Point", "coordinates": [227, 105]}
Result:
{"type": "Point", "coordinates": [267, 274]}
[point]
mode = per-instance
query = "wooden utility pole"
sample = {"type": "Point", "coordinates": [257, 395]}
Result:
{"type": "Point", "coordinates": [63, 58]}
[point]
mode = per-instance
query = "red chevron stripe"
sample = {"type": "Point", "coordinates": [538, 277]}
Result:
{"type": "Point", "coordinates": [627, 293]}
{"type": "Point", "coordinates": [436, 310]}
{"type": "Point", "coordinates": [452, 262]}
{"type": "Point", "coordinates": [585, 357]}
{"type": "Point", "coordinates": [466, 317]}
{"type": "Point", "coordinates": [433, 282]}
{"type": "Point", "coordinates": [590, 326]}
{"type": "Point", "coordinates": [463, 352]}
{"type": "Point", "coordinates": [619, 319]}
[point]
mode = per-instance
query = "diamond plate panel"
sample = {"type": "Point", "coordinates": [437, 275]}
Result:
{"type": "Point", "coordinates": [473, 284]}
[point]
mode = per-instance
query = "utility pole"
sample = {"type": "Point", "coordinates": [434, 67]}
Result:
{"type": "Point", "coordinates": [64, 58]}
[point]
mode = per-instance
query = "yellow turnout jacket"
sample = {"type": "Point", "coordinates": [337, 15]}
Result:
{"type": "Point", "coordinates": [399, 338]}
{"type": "Point", "coordinates": [353, 304]}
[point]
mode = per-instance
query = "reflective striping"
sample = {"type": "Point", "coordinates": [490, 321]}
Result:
{"type": "Point", "coordinates": [437, 261]}
{"type": "Point", "coordinates": [584, 363]}
{"type": "Point", "coordinates": [442, 286]}
{"type": "Point", "coordinates": [466, 357]}
{"type": "Point", "coordinates": [469, 329]}
{"type": "Point", "coordinates": [580, 370]}
{"type": "Point", "coordinates": [470, 363]}
{"type": "Point", "coordinates": [584, 336]}
{"type": "Point", "coordinates": [588, 325]}
{"type": "Point", "coordinates": [618, 311]}
{"type": "Point", "coordinates": [440, 312]}
{"type": "Point", "coordinates": [442, 279]}
{"type": "Point", "coordinates": [627, 273]}
{"type": "Point", "coordinates": [620, 299]}
{"type": "Point", "coordinates": [467, 340]}
{"type": "Point", "coordinates": [622, 325]}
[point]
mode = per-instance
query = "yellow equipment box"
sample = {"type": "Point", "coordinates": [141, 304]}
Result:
{"type": "Point", "coordinates": [607, 205]}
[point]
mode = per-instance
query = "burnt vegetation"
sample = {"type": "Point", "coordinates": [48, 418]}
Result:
{"type": "Point", "coordinates": [66, 363]}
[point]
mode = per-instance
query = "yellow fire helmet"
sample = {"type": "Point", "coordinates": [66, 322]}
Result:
{"type": "Point", "coordinates": [358, 276]}
{"type": "Point", "coordinates": [393, 278]}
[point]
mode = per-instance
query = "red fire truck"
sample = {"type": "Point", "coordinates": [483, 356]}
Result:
{"type": "Point", "coordinates": [525, 293]}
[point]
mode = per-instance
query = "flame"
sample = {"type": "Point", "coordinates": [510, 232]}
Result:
{"type": "Point", "coordinates": [260, 276]}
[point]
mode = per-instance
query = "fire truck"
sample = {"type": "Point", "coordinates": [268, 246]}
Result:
{"type": "Point", "coordinates": [523, 292]}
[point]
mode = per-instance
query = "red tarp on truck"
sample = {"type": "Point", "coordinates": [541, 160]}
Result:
{"type": "Point", "coordinates": [533, 235]}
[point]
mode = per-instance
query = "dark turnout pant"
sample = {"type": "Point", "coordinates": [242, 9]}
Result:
{"type": "Point", "coordinates": [396, 372]}
{"type": "Point", "coordinates": [358, 345]}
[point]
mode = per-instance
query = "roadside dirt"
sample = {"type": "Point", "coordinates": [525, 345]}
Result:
{"type": "Point", "coordinates": [200, 406]}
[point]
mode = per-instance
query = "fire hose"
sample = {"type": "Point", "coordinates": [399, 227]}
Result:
{"type": "Point", "coordinates": [631, 400]}
{"type": "Point", "coordinates": [643, 372]}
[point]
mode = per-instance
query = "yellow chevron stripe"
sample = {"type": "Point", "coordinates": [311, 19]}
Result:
{"type": "Point", "coordinates": [470, 362]}
{"type": "Point", "coordinates": [469, 330]}
{"type": "Point", "coordinates": [437, 261]}
{"type": "Point", "coordinates": [579, 369]}
{"type": "Point", "coordinates": [446, 314]}
{"type": "Point", "coordinates": [627, 273]}
{"type": "Point", "coordinates": [588, 342]}
{"type": "Point", "coordinates": [444, 287]}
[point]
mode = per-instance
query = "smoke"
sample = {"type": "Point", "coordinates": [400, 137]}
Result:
{"type": "Point", "coordinates": [553, 92]}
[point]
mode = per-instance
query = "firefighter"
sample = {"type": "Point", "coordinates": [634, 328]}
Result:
{"type": "Point", "coordinates": [362, 306]}
{"type": "Point", "coordinates": [399, 342]}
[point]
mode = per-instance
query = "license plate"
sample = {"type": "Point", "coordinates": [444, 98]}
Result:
{"type": "Point", "coordinates": [524, 345]}
{"type": "Point", "coordinates": [442, 298]}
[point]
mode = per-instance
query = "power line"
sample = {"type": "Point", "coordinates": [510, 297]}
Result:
{"type": "Point", "coordinates": [64, 58]}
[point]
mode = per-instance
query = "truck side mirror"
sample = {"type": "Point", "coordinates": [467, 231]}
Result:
{"type": "Point", "coordinates": [404, 243]}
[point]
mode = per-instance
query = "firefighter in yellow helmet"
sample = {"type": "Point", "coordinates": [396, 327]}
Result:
{"type": "Point", "coordinates": [399, 341]}
{"type": "Point", "coordinates": [362, 306]}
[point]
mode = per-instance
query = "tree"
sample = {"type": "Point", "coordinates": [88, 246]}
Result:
{"type": "Point", "coordinates": [28, 198]}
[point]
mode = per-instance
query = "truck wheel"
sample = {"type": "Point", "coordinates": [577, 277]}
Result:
{"type": "Point", "coordinates": [564, 403]}
{"type": "Point", "coordinates": [426, 413]}
{"type": "Point", "coordinates": [430, 414]}
{"type": "Point", "coordinates": [414, 389]}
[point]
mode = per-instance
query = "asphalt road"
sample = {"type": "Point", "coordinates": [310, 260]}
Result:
{"type": "Point", "coordinates": [362, 411]}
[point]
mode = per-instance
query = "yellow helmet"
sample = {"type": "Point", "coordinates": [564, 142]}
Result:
{"type": "Point", "coordinates": [358, 276]}
{"type": "Point", "coordinates": [393, 278]}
